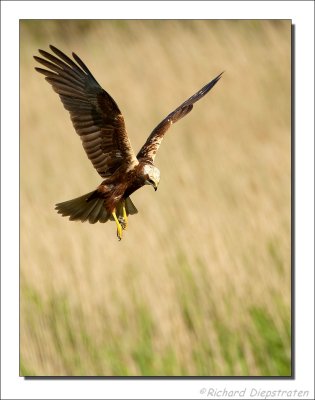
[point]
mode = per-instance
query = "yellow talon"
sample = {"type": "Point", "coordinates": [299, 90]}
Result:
{"type": "Point", "coordinates": [125, 216]}
{"type": "Point", "coordinates": [119, 228]}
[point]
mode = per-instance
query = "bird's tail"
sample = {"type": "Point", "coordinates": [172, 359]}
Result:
{"type": "Point", "coordinates": [90, 207]}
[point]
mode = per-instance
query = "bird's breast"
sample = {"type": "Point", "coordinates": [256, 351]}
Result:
{"type": "Point", "coordinates": [133, 186]}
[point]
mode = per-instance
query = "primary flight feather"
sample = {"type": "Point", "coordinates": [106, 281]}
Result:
{"type": "Point", "coordinates": [101, 127]}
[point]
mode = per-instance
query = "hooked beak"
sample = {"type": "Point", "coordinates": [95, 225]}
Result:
{"type": "Point", "coordinates": [153, 184]}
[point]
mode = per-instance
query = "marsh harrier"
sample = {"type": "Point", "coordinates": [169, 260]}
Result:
{"type": "Point", "coordinates": [101, 127]}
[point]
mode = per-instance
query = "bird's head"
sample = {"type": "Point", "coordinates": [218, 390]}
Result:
{"type": "Point", "coordinates": [152, 175]}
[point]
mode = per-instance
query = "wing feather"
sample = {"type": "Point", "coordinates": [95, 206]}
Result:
{"type": "Point", "coordinates": [94, 114]}
{"type": "Point", "coordinates": [151, 146]}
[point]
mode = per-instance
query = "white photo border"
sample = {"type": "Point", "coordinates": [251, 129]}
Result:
{"type": "Point", "coordinates": [302, 15]}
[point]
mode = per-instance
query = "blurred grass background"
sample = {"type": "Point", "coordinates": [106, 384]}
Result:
{"type": "Point", "coordinates": [200, 283]}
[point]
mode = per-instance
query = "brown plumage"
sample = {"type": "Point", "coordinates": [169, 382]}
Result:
{"type": "Point", "coordinates": [101, 127]}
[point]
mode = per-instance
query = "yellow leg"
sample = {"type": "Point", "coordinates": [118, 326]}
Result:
{"type": "Point", "coordinates": [119, 228]}
{"type": "Point", "coordinates": [125, 216]}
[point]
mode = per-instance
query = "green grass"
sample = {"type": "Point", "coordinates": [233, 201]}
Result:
{"type": "Point", "coordinates": [68, 331]}
{"type": "Point", "coordinates": [271, 351]}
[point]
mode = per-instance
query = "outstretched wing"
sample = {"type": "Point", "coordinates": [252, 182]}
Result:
{"type": "Point", "coordinates": [149, 149]}
{"type": "Point", "coordinates": [94, 114]}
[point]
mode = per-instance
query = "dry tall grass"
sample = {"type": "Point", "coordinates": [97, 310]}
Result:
{"type": "Point", "coordinates": [200, 283]}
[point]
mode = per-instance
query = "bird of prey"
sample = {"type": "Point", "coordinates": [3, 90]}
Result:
{"type": "Point", "coordinates": [101, 127]}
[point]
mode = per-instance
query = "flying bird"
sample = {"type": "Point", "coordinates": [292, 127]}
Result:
{"type": "Point", "coordinates": [101, 127]}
